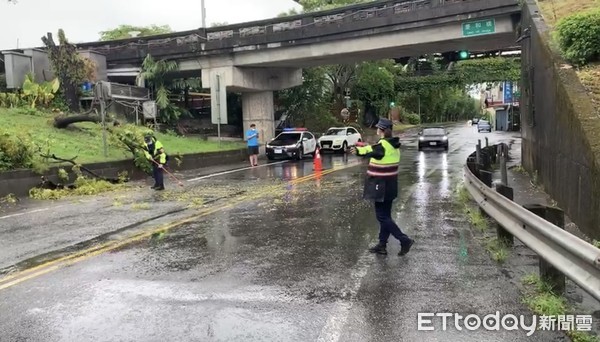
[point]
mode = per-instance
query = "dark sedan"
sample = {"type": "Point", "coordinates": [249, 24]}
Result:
{"type": "Point", "coordinates": [433, 137]}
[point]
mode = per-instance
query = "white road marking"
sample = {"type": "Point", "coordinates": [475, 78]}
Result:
{"type": "Point", "coordinates": [25, 213]}
{"type": "Point", "coordinates": [189, 180]}
{"type": "Point", "coordinates": [232, 171]}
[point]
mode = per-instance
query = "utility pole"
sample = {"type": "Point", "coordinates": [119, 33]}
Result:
{"type": "Point", "coordinates": [219, 108]}
{"type": "Point", "coordinates": [203, 13]}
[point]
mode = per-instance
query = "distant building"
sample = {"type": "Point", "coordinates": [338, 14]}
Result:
{"type": "Point", "coordinates": [501, 102]}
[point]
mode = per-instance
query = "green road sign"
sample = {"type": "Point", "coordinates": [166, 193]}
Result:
{"type": "Point", "coordinates": [479, 27]}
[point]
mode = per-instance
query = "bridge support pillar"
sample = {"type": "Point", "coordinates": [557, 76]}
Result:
{"type": "Point", "coordinates": [257, 86]}
{"type": "Point", "coordinates": [258, 108]}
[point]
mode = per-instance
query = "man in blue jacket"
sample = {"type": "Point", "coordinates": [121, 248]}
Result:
{"type": "Point", "coordinates": [252, 138]}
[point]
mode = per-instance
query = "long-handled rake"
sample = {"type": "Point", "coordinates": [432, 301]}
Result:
{"type": "Point", "coordinates": [169, 173]}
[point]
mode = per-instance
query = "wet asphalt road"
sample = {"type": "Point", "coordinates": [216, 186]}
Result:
{"type": "Point", "coordinates": [285, 261]}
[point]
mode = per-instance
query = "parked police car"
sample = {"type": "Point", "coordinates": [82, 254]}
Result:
{"type": "Point", "coordinates": [292, 143]}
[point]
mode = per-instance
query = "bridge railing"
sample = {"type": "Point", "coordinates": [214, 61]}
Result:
{"type": "Point", "coordinates": [345, 20]}
{"type": "Point", "coordinates": [286, 31]}
{"type": "Point", "coordinates": [320, 19]}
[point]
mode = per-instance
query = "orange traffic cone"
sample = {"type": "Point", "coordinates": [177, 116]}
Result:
{"type": "Point", "coordinates": [317, 165]}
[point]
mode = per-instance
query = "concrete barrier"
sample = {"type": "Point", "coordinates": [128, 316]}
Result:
{"type": "Point", "coordinates": [18, 182]}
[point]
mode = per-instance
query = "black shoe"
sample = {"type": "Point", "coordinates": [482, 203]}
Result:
{"type": "Point", "coordinates": [378, 249]}
{"type": "Point", "coordinates": [153, 187]}
{"type": "Point", "coordinates": [159, 188]}
{"type": "Point", "coordinates": [406, 248]}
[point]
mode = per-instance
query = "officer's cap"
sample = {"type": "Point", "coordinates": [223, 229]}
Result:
{"type": "Point", "coordinates": [384, 124]}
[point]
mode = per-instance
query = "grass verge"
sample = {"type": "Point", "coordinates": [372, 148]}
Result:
{"type": "Point", "coordinates": [497, 249]}
{"type": "Point", "coordinates": [540, 298]}
{"type": "Point", "coordinates": [84, 140]}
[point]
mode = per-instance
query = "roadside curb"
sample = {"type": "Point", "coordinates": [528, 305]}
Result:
{"type": "Point", "coordinates": [18, 182]}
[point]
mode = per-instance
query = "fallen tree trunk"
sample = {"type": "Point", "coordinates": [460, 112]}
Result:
{"type": "Point", "coordinates": [64, 122]}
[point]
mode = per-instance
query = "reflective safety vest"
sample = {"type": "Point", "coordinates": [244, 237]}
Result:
{"type": "Point", "coordinates": [161, 158]}
{"type": "Point", "coordinates": [152, 154]}
{"type": "Point", "coordinates": [386, 166]}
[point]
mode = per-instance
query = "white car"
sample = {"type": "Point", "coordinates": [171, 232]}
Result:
{"type": "Point", "coordinates": [292, 143]}
{"type": "Point", "coordinates": [339, 138]}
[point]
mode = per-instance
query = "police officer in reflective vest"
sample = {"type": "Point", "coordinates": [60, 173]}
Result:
{"type": "Point", "coordinates": [155, 153]}
{"type": "Point", "coordinates": [381, 185]}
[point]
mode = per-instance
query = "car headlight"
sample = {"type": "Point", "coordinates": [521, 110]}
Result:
{"type": "Point", "coordinates": [445, 138]}
{"type": "Point", "coordinates": [337, 141]}
{"type": "Point", "coordinates": [421, 138]}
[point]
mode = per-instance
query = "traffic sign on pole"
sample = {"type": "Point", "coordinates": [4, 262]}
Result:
{"type": "Point", "coordinates": [218, 100]}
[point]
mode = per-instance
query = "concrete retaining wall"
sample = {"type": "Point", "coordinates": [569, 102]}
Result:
{"type": "Point", "coordinates": [559, 127]}
{"type": "Point", "coordinates": [19, 182]}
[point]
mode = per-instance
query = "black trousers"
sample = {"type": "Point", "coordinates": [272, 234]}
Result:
{"type": "Point", "coordinates": [387, 226]}
{"type": "Point", "coordinates": [158, 175]}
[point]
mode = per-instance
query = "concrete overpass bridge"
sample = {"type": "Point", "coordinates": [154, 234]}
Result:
{"type": "Point", "coordinates": [259, 57]}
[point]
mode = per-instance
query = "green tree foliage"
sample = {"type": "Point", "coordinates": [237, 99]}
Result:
{"type": "Point", "coordinates": [340, 77]}
{"type": "Point", "coordinates": [125, 31]}
{"type": "Point", "coordinates": [440, 104]}
{"type": "Point", "coordinates": [70, 68]}
{"type": "Point", "coordinates": [578, 37]}
{"type": "Point", "coordinates": [308, 96]}
{"type": "Point", "coordinates": [375, 84]}
{"type": "Point", "coordinates": [37, 94]}
{"type": "Point", "coordinates": [155, 74]}
{"type": "Point", "coordinates": [309, 103]}
{"type": "Point", "coordinates": [463, 73]}
{"type": "Point", "coordinates": [292, 11]}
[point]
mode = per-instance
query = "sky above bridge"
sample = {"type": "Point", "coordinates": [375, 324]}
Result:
{"type": "Point", "coordinates": [28, 20]}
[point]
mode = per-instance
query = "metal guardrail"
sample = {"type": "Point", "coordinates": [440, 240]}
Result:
{"type": "Point", "coordinates": [573, 257]}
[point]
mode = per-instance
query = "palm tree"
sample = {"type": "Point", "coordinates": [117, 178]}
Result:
{"type": "Point", "coordinates": [155, 72]}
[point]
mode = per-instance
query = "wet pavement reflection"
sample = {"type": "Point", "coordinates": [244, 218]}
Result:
{"type": "Point", "coordinates": [290, 265]}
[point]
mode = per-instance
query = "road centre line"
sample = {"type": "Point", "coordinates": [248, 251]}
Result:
{"type": "Point", "coordinates": [36, 271]}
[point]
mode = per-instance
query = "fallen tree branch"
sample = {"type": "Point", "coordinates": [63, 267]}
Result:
{"type": "Point", "coordinates": [83, 168]}
{"type": "Point", "coordinates": [48, 184]}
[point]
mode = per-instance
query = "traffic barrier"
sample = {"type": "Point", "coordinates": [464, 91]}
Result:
{"type": "Point", "coordinates": [539, 227]}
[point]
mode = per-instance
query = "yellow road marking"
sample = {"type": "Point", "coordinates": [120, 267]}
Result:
{"type": "Point", "coordinates": [49, 266]}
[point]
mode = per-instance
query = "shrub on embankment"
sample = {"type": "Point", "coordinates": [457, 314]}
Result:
{"type": "Point", "coordinates": [560, 126]}
{"type": "Point", "coordinates": [578, 36]}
